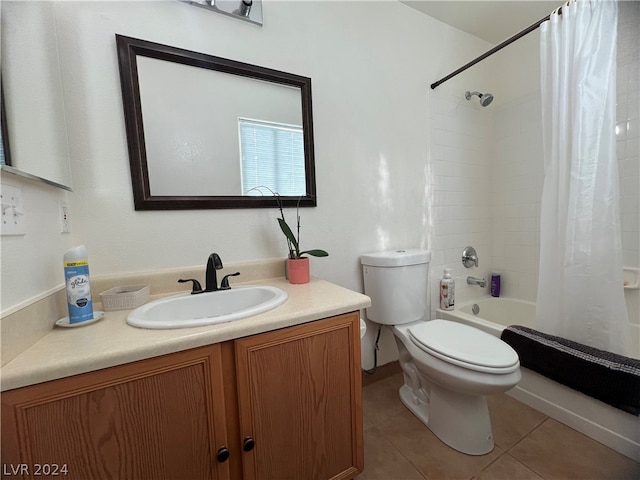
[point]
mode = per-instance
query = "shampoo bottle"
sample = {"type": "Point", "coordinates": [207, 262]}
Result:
{"type": "Point", "coordinates": [495, 284]}
{"type": "Point", "coordinates": [447, 291]}
{"type": "Point", "coordinates": [76, 278]}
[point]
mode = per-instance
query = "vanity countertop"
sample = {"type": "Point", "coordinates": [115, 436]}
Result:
{"type": "Point", "coordinates": [111, 341]}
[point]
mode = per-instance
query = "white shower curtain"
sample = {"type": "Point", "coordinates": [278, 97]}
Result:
{"type": "Point", "coordinates": [580, 289]}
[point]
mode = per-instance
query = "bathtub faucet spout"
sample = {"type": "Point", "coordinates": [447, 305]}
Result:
{"type": "Point", "coordinates": [477, 281]}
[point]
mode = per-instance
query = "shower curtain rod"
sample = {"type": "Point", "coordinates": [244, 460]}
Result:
{"type": "Point", "coordinates": [508, 41]}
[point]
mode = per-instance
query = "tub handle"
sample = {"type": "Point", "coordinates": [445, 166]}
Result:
{"type": "Point", "coordinates": [469, 257]}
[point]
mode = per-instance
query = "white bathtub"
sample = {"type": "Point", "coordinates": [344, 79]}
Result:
{"type": "Point", "coordinates": [608, 425]}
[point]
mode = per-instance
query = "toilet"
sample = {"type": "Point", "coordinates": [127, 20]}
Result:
{"type": "Point", "coordinates": [448, 367]}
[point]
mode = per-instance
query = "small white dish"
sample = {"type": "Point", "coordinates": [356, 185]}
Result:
{"type": "Point", "coordinates": [64, 322]}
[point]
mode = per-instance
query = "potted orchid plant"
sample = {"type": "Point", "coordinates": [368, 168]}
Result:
{"type": "Point", "coordinates": [297, 262]}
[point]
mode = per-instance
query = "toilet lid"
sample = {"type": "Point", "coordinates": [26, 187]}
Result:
{"type": "Point", "coordinates": [461, 343]}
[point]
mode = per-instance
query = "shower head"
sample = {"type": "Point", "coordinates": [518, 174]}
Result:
{"type": "Point", "coordinates": [485, 98]}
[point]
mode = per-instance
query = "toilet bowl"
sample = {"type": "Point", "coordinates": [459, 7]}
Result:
{"type": "Point", "coordinates": [445, 383]}
{"type": "Point", "coordinates": [448, 367]}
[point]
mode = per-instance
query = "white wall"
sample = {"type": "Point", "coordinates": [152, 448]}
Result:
{"type": "Point", "coordinates": [371, 65]}
{"type": "Point", "coordinates": [32, 264]}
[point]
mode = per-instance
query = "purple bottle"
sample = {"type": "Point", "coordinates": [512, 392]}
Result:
{"type": "Point", "coordinates": [495, 284]}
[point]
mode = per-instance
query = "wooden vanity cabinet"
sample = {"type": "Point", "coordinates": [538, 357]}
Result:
{"type": "Point", "coordinates": [300, 401]}
{"type": "Point", "coordinates": [285, 404]}
{"type": "Point", "coordinates": [161, 418]}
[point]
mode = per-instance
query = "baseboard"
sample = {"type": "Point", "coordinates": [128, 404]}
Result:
{"type": "Point", "coordinates": [382, 371]}
{"type": "Point", "coordinates": [614, 428]}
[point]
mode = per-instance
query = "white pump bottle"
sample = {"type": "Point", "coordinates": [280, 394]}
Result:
{"type": "Point", "coordinates": [447, 291]}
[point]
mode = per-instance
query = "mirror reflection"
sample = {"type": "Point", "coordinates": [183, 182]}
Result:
{"type": "Point", "coordinates": [203, 131]}
{"type": "Point", "coordinates": [224, 139]}
{"type": "Point", "coordinates": [35, 124]}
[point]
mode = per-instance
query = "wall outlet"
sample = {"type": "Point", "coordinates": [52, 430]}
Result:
{"type": "Point", "coordinates": [65, 218]}
{"type": "Point", "coordinates": [13, 216]}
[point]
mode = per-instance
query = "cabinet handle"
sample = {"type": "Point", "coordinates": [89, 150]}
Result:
{"type": "Point", "coordinates": [248, 443]}
{"type": "Point", "coordinates": [223, 454]}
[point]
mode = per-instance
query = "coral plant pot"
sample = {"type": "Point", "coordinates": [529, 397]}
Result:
{"type": "Point", "coordinates": [298, 269]}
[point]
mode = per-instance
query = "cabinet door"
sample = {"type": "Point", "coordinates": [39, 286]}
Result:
{"type": "Point", "coordinates": [300, 397]}
{"type": "Point", "coordinates": [161, 418]}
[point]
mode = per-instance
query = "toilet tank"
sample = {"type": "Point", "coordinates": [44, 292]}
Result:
{"type": "Point", "coordinates": [397, 283]}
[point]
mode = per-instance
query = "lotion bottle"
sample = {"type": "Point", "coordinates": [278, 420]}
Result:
{"type": "Point", "coordinates": [447, 291]}
{"type": "Point", "coordinates": [78, 287]}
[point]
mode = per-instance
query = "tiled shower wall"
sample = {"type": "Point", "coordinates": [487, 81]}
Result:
{"type": "Point", "coordinates": [517, 171]}
{"type": "Point", "coordinates": [628, 143]}
{"type": "Point", "coordinates": [628, 129]}
{"type": "Point", "coordinates": [493, 201]}
{"type": "Point", "coordinates": [487, 172]}
{"type": "Point", "coordinates": [460, 176]}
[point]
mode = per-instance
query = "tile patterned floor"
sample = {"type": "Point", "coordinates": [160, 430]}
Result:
{"type": "Point", "coordinates": [529, 445]}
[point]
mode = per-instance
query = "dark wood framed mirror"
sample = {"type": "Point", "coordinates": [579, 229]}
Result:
{"type": "Point", "coordinates": [205, 132]}
{"type": "Point", "coordinates": [5, 154]}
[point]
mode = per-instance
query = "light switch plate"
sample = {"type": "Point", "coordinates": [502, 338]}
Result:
{"type": "Point", "coordinates": [13, 216]}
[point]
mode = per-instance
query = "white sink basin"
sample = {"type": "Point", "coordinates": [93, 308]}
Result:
{"type": "Point", "coordinates": [186, 310]}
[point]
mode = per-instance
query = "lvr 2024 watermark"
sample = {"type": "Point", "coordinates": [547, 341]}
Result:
{"type": "Point", "coordinates": [34, 470]}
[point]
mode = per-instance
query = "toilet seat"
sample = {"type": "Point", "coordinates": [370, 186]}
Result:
{"type": "Point", "coordinates": [464, 346]}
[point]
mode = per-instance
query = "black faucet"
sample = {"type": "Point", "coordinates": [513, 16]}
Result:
{"type": "Point", "coordinates": [211, 277]}
{"type": "Point", "coordinates": [224, 284]}
{"type": "Point", "coordinates": [196, 288]}
{"type": "Point", "coordinates": [213, 263]}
